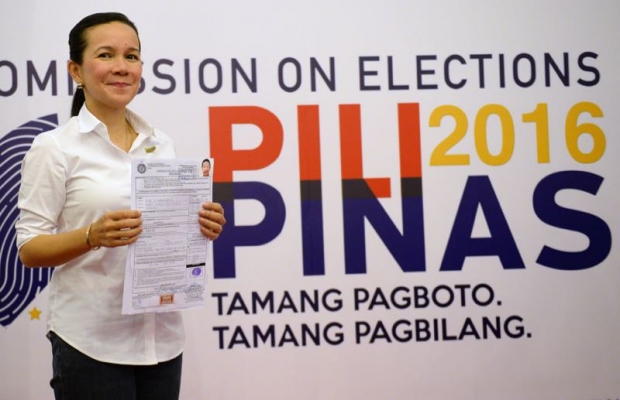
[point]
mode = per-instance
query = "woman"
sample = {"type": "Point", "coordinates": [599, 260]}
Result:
{"type": "Point", "coordinates": [74, 213]}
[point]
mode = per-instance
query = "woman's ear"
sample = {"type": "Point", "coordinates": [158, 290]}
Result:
{"type": "Point", "coordinates": [75, 71]}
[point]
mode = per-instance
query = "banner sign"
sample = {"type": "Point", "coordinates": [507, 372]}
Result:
{"type": "Point", "coordinates": [420, 197]}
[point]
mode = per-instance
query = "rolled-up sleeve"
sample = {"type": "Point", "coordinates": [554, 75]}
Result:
{"type": "Point", "coordinates": [42, 192]}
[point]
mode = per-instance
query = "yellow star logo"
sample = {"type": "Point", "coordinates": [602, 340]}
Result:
{"type": "Point", "coordinates": [35, 313]}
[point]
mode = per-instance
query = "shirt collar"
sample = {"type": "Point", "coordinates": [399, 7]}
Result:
{"type": "Point", "coordinates": [89, 123]}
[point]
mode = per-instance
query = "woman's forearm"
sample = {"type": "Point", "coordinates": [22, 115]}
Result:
{"type": "Point", "coordinates": [53, 250]}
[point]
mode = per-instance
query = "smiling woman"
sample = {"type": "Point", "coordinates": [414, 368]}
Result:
{"type": "Point", "coordinates": [108, 72]}
{"type": "Point", "coordinates": [74, 202]}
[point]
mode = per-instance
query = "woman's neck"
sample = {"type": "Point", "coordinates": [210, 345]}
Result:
{"type": "Point", "coordinates": [112, 118]}
{"type": "Point", "coordinates": [121, 133]}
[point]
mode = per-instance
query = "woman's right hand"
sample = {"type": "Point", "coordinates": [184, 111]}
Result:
{"type": "Point", "coordinates": [115, 228]}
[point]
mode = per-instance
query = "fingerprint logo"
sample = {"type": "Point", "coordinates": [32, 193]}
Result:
{"type": "Point", "coordinates": [18, 285]}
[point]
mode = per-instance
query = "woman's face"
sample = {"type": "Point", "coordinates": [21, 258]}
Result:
{"type": "Point", "coordinates": [111, 67]}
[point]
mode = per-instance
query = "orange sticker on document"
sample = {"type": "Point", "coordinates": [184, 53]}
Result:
{"type": "Point", "coordinates": [166, 299]}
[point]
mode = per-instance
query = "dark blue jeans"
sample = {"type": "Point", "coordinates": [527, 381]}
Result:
{"type": "Point", "coordinates": [79, 377]}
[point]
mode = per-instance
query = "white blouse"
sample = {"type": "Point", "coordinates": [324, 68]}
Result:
{"type": "Point", "coordinates": [71, 176]}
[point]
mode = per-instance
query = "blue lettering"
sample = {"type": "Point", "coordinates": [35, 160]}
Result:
{"type": "Point", "coordinates": [551, 213]}
{"type": "Point", "coordinates": [479, 192]}
{"type": "Point", "coordinates": [253, 235]}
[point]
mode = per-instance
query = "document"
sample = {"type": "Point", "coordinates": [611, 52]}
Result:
{"type": "Point", "coordinates": [166, 266]}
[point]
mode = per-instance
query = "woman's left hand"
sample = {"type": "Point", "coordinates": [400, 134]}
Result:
{"type": "Point", "coordinates": [211, 219]}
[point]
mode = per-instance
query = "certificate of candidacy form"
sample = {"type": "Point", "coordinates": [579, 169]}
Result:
{"type": "Point", "coordinates": [166, 266]}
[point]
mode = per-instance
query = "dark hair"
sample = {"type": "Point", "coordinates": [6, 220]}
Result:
{"type": "Point", "coordinates": [208, 161]}
{"type": "Point", "coordinates": [78, 43]}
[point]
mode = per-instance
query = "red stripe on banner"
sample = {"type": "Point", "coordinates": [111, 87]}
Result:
{"type": "Point", "coordinates": [409, 137]}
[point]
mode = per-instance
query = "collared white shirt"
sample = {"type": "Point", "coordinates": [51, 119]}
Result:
{"type": "Point", "coordinates": [71, 176]}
